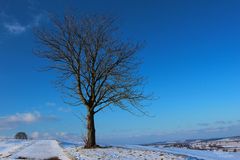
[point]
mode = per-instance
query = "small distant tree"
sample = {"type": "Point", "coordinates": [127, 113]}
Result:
{"type": "Point", "coordinates": [97, 68]}
{"type": "Point", "coordinates": [21, 135]}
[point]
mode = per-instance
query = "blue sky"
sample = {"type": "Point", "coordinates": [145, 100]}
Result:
{"type": "Point", "coordinates": [191, 60]}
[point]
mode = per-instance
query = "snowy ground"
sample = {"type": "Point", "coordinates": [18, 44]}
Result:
{"type": "Point", "coordinates": [138, 152]}
{"type": "Point", "coordinates": [207, 155]}
{"type": "Point", "coordinates": [117, 153]}
{"type": "Point", "coordinates": [11, 149]}
{"type": "Point", "coordinates": [226, 144]}
{"type": "Point", "coordinates": [43, 149]}
{"type": "Point", "coordinates": [198, 154]}
{"type": "Point", "coordinates": [31, 149]}
{"type": "Point", "coordinates": [10, 146]}
{"type": "Point", "coordinates": [230, 144]}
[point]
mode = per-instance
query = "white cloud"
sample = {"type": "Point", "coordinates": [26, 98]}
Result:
{"type": "Point", "coordinates": [60, 133]}
{"type": "Point", "coordinates": [15, 28]}
{"type": "Point", "coordinates": [36, 20]}
{"type": "Point", "coordinates": [12, 121]}
{"type": "Point", "coordinates": [61, 136]}
{"type": "Point", "coordinates": [64, 109]}
{"type": "Point", "coordinates": [23, 117]}
{"type": "Point", "coordinates": [35, 135]}
{"type": "Point", "coordinates": [50, 104]}
{"type": "Point", "coordinates": [46, 134]}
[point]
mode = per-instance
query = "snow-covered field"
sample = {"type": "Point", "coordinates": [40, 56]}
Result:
{"type": "Point", "coordinates": [43, 149]}
{"type": "Point", "coordinates": [198, 154]}
{"type": "Point", "coordinates": [10, 146]}
{"type": "Point", "coordinates": [225, 144]}
{"type": "Point", "coordinates": [11, 149]}
{"type": "Point", "coordinates": [139, 152]}
{"type": "Point", "coordinates": [210, 149]}
{"type": "Point", "coordinates": [31, 149]}
{"type": "Point", "coordinates": [117, 153]}
{"type": "Point", "coordinates": [201, 154]}
{"type": "Point", "coordinates": [231, 144]}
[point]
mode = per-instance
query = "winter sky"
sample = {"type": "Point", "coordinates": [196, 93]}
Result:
{"type": "Point", "coordinates": [191, 59]}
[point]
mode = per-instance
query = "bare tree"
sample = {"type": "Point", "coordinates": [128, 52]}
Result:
{"type": "Point", "coordinates": [97, 68]}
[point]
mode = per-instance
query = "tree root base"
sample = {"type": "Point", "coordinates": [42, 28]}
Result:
{"type": "Point", "coordinates": [92, 147]}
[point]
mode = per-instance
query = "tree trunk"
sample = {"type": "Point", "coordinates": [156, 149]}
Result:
{"type": "Point", "coordinates": [91, 138]}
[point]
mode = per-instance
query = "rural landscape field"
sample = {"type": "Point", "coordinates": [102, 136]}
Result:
{"type": "Point", "coordinates": [120, 79]}
{"type": "Point", "coordinates": [221, 148]}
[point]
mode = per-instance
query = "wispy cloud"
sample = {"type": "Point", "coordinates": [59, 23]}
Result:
{"type": "Point", "coordinates": [35, 135]}
{"type": "Point", "coordinates": [36, 20]}
{"type": "Point", "coordinates": [12, 121]}
{"type": "Point", "coordinates": [215, 129]}
{"type": "Point", "coordinates": [16, 23]}
{"type": "Point", "coordinates": [62, 136]}
{"type": "Point", "coordinates": [50, 104]}
{"type": "Point", "coordinates": [15, 28]}
{"type": "Point", "coordinates": [218, 123]}
{"type": "Point", "coordinates": [22, 118]}
{"type": "Point", "coordinates": [203, 124]}
{"type": "Point", "coordinates": [211, 130]}
{"type": "Point", "coordinates": [223, 122]}
{"type": "Point", "coordinates": [65, 109]}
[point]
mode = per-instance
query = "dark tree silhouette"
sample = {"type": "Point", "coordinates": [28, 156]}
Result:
{"type": "Point", "coordinates": [21, 135]}
{"type": "Point", "coordinates": [97, 68]}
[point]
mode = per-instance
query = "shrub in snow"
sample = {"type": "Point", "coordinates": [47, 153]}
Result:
{"type": "Point", "coordinates": [21, 135]}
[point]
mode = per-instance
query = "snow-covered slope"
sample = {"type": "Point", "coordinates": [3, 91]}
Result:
{"type": "Point", "coordinates": [11, 149]}
{"type": "Point", "coordinates": [117, 153]}
{"type": "Point", "coordinates": [43, 149]}
{"type": "Point", "coordinates": [10, 146]}
{"type": "Point", "coordinates": [31, 149]}
{"type": "Point", "coordinates": [203, 154]}
{"type": "Point", "coordinates": [198, 154]}
{"type": "Point", "coordinates": [138, 152]}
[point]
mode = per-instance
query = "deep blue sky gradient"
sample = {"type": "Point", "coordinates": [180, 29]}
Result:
{"type": "Point", "coordinates": [191, 59]}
